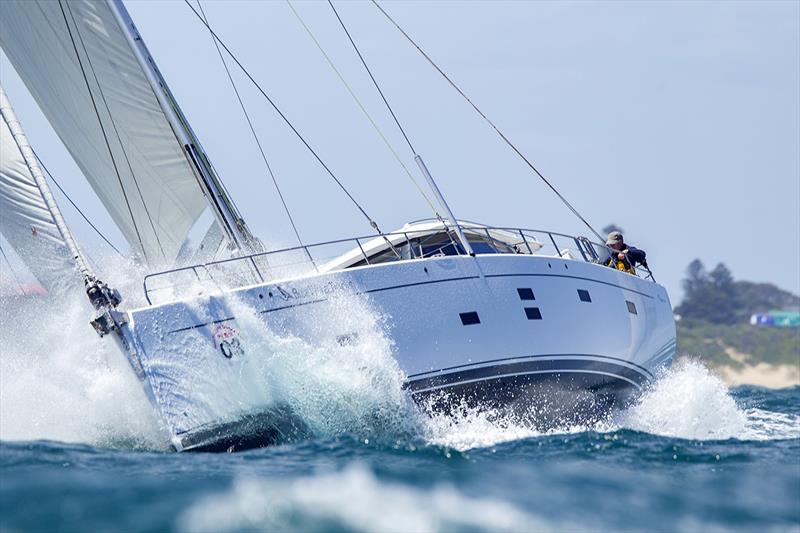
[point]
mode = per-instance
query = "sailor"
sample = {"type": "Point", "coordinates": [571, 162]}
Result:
{"type": "Point", "coordinates": [627, 257]}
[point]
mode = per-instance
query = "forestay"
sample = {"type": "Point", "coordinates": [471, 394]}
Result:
{"type": "Point", "coordinates": [25, 219]}
{"type": "Point", "coordinates": [77, 62]}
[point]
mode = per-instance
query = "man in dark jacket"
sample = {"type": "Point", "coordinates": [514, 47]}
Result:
{"type": "Point", "coordinates": [627, 257]}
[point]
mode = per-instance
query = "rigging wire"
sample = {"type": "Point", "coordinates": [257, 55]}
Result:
{"type": "Point", "coordinates": [363, 62]}
{"type": "Point", "coordinates": [396, 120]}
{"type": "Point", "coordinates": [102, 129]}
{"type": "Point", "coordinates": [372, 222]}
{"type": "Point", "coordinates": [496, 129]}
{"type": "Point", "coordinates": [13, 274]}
{"type": "Point", "coordinates": [116, 133]}
{"type": "Point", "coordinates": [78, 209]}
{"type": "Point", "coordinates": [252, 129]}
{"type": "Point", "coordinates": [360, 105]}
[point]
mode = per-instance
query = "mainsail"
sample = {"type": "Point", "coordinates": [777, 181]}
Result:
{"type": "Point", "coordinates": [80, 63]}
{"type": "Point", "coordinates": [27, 211]}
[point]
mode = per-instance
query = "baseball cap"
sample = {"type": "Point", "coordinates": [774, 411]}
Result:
{"type": "Point", "coordinates": [615, 237]}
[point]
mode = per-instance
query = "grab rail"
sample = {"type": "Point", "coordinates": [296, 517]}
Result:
{"type": "Point", "coordinates": [263, 266]}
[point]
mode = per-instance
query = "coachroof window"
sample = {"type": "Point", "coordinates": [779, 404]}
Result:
{"type": "Point", "coordinates": [435, 245]}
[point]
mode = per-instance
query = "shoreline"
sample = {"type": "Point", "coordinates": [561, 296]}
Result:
{"type": "Point", "coordinates": [761, 375]}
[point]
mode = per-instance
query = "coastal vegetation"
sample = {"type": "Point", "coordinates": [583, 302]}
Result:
{"type": "Point", "coordinates": [714, 320]}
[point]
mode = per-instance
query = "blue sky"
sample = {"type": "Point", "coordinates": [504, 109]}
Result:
{"type": "Point", "coordinates": [679, 121]}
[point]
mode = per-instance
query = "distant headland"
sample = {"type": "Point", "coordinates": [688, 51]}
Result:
{"type": "Point", "coordinates": [749, 333]}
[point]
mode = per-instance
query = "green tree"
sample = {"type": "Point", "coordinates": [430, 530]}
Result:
{"type": "Point", "coordinates": [717, 298]}
{"type": "Point", "coordinates": [723, 295]}
{"type": "Point", "coordinates": [722, 278]}
{"type": "Point", "coordinates": [696, 277]}
{"type": "Point", "coordinates": [763, 297]}
{"type": "Point", "coordinates": [709, 297]}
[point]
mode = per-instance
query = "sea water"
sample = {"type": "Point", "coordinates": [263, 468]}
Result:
{"type": "Point", "coordinates": [81, 450]}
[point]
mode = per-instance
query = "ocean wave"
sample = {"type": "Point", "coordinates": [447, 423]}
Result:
{"type": "Point", "coordinates": [335, 386]}
{"type": "Point", "coordinates": [353, 499]}
{"type": "Point", "coordinates": [59, 381]}
{"type": "Point", "coordinates": [687, 401]}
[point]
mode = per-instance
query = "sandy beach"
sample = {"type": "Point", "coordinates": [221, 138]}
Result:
{"type": "Point", "coordinates": [762, 374]}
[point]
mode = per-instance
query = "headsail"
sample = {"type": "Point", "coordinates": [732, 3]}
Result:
{"type": "Point", "coordinates": [79, 63]}
{"type": "Point", "coordinates": [27, 218]}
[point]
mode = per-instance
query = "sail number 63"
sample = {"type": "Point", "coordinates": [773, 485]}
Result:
{"type": "Point", "coordinates": [226, 340]}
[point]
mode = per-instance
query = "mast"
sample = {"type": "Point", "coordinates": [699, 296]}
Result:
{"type": "Point", "coordinates": [102, 297]}
{"type": "Point", "coordinates": [25, 149]}
{"type": "Point", "coordinates": [225, 212]}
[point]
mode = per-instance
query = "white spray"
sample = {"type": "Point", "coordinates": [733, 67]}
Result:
{"type": "Point", "coordinates": [335, 384]}
{"type": "Point", "coordinates": [59, 381]}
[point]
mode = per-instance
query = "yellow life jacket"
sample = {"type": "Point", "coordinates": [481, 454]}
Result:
{"type": "Point", "coordinates": [625, 268]}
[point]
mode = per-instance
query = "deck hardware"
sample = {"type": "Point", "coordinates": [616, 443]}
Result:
{"type": "Point", "coordinates": [443, 203]}
{"type": "Point", "coordinates": [555, 246]}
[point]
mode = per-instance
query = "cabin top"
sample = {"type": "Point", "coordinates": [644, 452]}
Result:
{"type": "Point", "coordinates": [414, 241]}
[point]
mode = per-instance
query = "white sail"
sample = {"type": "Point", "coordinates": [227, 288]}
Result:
{"type": "Point", "coordinates": [26, 219]}
{"type": "Point", "coordinates": [78, 63]}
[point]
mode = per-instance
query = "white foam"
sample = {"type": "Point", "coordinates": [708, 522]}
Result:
{"type": "Point", "coordinates": [354, 387]}
{"type": "Point", "coordinates": [353, 499]}
{"type": "Point", "coordinates": [688, 402]}
{"type": "Point", "coordinates": [60, 381]}
{"type": "Point", "coordinates": [472, 428]}
{"type": "Point", "coordinates": [691, 402]}
{"type": "Point", "coordinates": [468, 427]}
{"type": "Point", "coordinates": [303, 361]}
{"type": "Point", "coordinates": [768, 425]}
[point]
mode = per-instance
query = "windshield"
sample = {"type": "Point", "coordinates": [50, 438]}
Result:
{"type": "Point", "coordinates": [438, 244]}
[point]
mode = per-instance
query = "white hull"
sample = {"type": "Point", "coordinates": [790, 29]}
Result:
{"type": "Point", "coordinates": [509, 327]}
{"type": "Point", "coordinates": [610, 345]}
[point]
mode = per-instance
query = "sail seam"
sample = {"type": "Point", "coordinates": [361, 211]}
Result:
{"type": "Point", "coordinates": [119, 138]}
{"type": "Point", "coordinates": [102, 129]}
{"type": "Point", "coordinates": [227, 216]}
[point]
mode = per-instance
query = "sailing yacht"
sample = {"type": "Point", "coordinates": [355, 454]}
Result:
{"type": "Point", "coordinates": [523, 320]}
